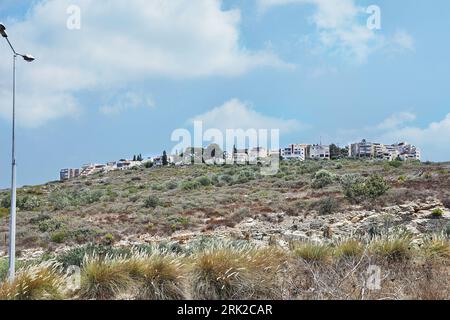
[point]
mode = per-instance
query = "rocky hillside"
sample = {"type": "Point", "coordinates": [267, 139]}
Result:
{"type": "Point", "coordinates": [305, 201]}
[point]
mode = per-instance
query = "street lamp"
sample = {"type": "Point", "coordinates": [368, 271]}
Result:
{"type": "Point", "coordinates": [12, 221]}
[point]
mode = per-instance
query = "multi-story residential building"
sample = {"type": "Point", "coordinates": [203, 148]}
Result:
{"type": "Point", "coordinates": [319, 152]}
{"type": "Point", "coordinates": [403, 151]}
{"type": "Point", "coordinates": [67, 174]}
{"type": "Point", "coordinates": [299, 152]}
{"type": "Point", "coordinates": [363, 149]}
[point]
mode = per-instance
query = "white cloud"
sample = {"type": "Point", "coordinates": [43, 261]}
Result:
{"type": "Point", "coordinates": [235, 114]}
{"type": "Point", "coordinates": [342, 28]}
{"type": "Point", "coordinates": [126, 102]}
{"type": "Point", "coordinates": [396, 120]}
{"type": "Point", "coordinates": [121, 41]}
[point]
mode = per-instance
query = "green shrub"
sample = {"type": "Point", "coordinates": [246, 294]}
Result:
{"type": "Point", "coordinates": [357, 189]}
{"type": "Point", "coordinates": [327, 206]}
{"type": "Point", "coordinates": [396, 163]}
{"type": "Point", "coordinates": [5, 201]}
{"type": "Point", "coordinates": [226, 178]}
{"type": "Point", "coordinates": [90, 197]}
{"type": "Point", "coordinates": [190, 185]}
{"type": "Point", "coordinates": [28, 203]}
{"type": "Point", "coordinates": [59, 200]}
{"type": "Point", "coordinates": [204, 181]}
{"type": "Point", "coordinates": [59, 236]}
{"type": "Point", "coordinates": [152, 202]}
{"type": "Point", "coordinates": [75, 256]}
{"type": "Point", "coordinates": [322, 179]}
{"type": "Point", "coordinates": [437, 213]}
{"type": "Point", "coordinates": [50, 225]}
{"type": "Point", "coordinates": [157, 187]}
{"type": "Point", "coordinates": [171, 185]}
{"type": "Point", "coordinates": [108, 239]}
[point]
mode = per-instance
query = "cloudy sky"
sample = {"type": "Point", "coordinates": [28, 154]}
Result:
{"type": "Point", "coordinates": [137, 70]}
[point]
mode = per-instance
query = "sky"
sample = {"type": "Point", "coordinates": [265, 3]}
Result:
{"type": "Point", "coordinates": [115, 78]}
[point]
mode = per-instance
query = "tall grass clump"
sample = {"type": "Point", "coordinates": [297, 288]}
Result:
{"type": "Point", "coordinates": [226, 273]}
{"type": "Point", "coordinates": [159, 276]}
{"type": "Point", "coordinates": [349, 249]}
{"type": "Point", "coordinates": [103, 278]}
{"type": "Point", "coordinates": [36, 282]}
{"type": "Point", "coordinates": [391, 248]}
{"type": "Point", "coordinates": [312, 252]}
{"type": "Point", "coordinates": [437, 248]}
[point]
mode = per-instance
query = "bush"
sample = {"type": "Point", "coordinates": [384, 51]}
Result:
{"type": "Point", "coordinates": [204, 181]}
{"type": "Point", "coordinates": [28, 203]}
{"type": "Point", "coordinates": [50, 225]}
{"type": "Point", "coordinates": [171, 185]}
{"type": "Point", "coordinates": [322, 179]}
{"type": "Point", "coordinates": [190, 185]}
{"type": "Point", "coordinates": [226, 178]}
{"type": "Point", "coordinates": [59, 200]}
{"type": "Point", "coordinates": [108, 239]}
{"type": "Point", "coordinates": [6, 201]}
{"type": "Point", "coordinates": [58, 237]}
{"type": "Point", "coordinates": [327, 206]}
{"type": "Point", "coordinates": [357, 189]}
{"type": "Point", "coordinates": [75, 256]}
{"type": "Point", "coordinates": [152, 202]}
{"type": "Point", "coordinates": [437, 213]}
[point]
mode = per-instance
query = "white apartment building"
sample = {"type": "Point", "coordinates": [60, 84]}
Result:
{"type": "Point", "coordinates": [320, 152]}
{"type": "Point", "coordinates": [296, 152]}
{"type": "Point", "coordinates": [403, 151]}
{"type": "Point", "coordinates": [67, 174]}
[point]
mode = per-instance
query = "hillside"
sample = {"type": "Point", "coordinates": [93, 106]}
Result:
{"type": "Point", "coordinates": [303, 201]}
{"type": "Point", "coordinates": [313, 231]}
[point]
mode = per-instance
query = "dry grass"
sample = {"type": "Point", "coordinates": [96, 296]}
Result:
{"type": "Point", "coordinates": [392, 248]}
{"type": "Point", "coordinates": [103, 279]}
{"type": "Point", "coordinates": [37, 282]}
{"type": "Point", "coordinates": [158, 276]}
{"type": "Point", "coordinates": [232, 271]}
{"type": "Point", "coordinates": [313, 252]}
{"type": "Point", "coordinates": [237, 273]}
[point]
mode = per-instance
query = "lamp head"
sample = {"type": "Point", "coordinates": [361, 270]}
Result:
{"type": "Point", "coordinates": [28, 58]}
{"type": "Point", "coordinates": [3, 30]}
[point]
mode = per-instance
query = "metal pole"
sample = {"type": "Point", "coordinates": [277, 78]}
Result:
{"type": "Point", "coordinates": [12, 221]}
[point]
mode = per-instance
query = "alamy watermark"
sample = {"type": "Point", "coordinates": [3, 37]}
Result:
{"type": "Point", "coordinates": [74, 17]}
{"type": "Point", "coordinates": [257, 147]}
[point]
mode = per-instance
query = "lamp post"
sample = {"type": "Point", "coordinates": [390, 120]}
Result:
{"type": "Point", "coordinates": [12, 220]}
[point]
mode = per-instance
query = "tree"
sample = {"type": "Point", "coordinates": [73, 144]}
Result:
{"type": "Point", "coordinates": [165, 162]}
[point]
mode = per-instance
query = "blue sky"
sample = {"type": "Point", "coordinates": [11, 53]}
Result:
{"type": "Point", "coordinates": [137, 70]}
